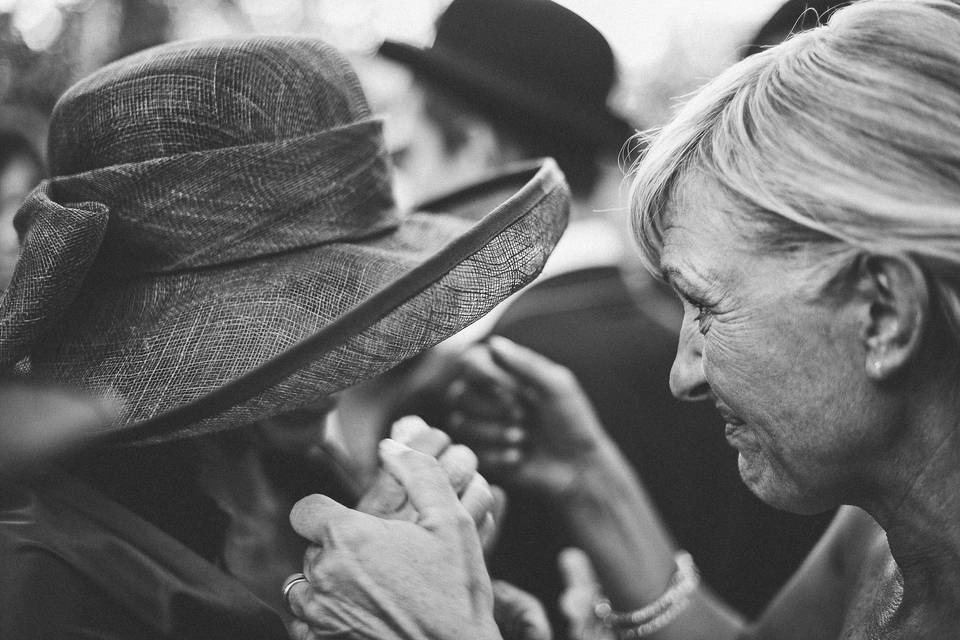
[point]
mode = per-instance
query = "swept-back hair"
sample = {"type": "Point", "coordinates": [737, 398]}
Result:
{"type": "Point", "coordinates": [847, 135]}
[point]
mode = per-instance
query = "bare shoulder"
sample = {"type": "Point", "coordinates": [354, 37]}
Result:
{"type": "Point", "coordinates": [816, 602]}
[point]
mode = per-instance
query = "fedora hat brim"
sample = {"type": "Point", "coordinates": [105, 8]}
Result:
{"type": "Point", "coordinates": [202, 350]}
{"type": "Point", "coordinates": [487, 87]}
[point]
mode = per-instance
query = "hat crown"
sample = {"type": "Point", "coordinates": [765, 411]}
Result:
{"type": "Point", "coordinates": [181, 97]}
{"type": "Point", "coordinates": [536, 42]}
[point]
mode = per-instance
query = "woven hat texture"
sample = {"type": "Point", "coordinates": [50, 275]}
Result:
{"type": "Point", "coordinates": [212, 206]}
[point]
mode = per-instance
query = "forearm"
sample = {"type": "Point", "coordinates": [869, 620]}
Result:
{"type": "Point", "coordinates": [614, 521]}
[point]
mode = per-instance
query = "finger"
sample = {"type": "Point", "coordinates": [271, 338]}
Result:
{"type": "Point", "coordinates": [531, 369]}
{"type": "Point", "coordinates": [300, 630]}
{"type": "Point", "coordinates": [425, 481]}
{"type": "Point", "coordinates": [460, 465]}
{"type": "Point", "coordinates": [311, 517]}
{"type": "Point", "coordinates": [298, 599]}
{"type": "Point", "coordinates": [499, 510]}
{"type": "Point", "coordinates": [519, 614]}
{"type": "Point", "coordinates": [481, 402]}
{"type": "Point", "coordinates": [477, 499]}
{"type": "Point", "coordinates": [407, 428]}
{"type": "Point", "coordinates": [478, 368]}
{"type": "Point", "coordinates": [499, 461]}
{"type": "Point", "coordinates": [482, 385]}
{"type": "Point", "coordinates": [487, 531]}
{"type": "Point", "coordinates": [490, 529]}
{"type": "Point", "coordinates": [418, 435]}
{"type": "Point", "coordinates": [385, 497]}
{"type": "Point", "coordinates": [312, 557]}
{"type": "Point", "coordinates": [486, 433]}
{"type": "Point", "coordinates": [576, 568]}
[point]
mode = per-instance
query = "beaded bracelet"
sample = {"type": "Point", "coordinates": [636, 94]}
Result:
{"type": "Point", "coordinates": [658, 614]}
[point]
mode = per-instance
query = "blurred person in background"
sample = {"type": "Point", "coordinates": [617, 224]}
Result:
{"type": "Point", "coordinates": [506, 80]}
{"type": "Point", "coordinates": [22, 142]}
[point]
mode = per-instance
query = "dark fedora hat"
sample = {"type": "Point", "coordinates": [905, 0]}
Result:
{"type": "Point", "coordinates": [218, 241]}
{"type": "Point", "coordinates": [530, 61]}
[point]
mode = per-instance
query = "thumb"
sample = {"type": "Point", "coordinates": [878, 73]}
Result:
{"type": "Point", "coordinates": [532, 369]}
{"type": "Point", "coordinates": [312, 517]}
{"type": "Point", "coordinates": [518, 614]}
{"type": "Point", "coordinates": [428, 488]}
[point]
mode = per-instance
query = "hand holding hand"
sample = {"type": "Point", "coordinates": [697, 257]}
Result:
{"type": "Point", "coordinates": [387, 498]}
{"type": "Point", "coordinates": [369, 577]}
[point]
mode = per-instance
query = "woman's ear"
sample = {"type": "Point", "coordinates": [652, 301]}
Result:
{"type": "Point", "coordinates": [896, 311]}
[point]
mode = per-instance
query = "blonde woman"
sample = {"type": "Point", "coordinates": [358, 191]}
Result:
{"type": "Point", "coordinates": [805, 206]}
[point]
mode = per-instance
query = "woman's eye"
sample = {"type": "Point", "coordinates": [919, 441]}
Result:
{"type": "Point", "coordinates": [702, 318]}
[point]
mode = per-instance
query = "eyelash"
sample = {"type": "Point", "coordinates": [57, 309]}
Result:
{"type": "Point", "coordinates": [703, 315]}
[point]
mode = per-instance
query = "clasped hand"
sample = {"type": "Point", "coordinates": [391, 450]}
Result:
{"type": "Point", "coordinates": [409, 562]}
{"type": "Point", "coordinates": [526, 417]}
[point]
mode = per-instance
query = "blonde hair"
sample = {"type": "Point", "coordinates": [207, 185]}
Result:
{"type": "Point", "coordinates": [847, 135]}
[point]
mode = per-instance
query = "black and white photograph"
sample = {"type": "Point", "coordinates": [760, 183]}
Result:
{"type": "Point", "coordinates": [479, 319]}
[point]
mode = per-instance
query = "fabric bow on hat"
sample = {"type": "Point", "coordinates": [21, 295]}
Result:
{"type": "Point", "coordinates": [218, 241]}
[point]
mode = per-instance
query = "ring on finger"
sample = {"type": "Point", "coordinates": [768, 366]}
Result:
{"type": "Point", "coordinates": [288, 586]}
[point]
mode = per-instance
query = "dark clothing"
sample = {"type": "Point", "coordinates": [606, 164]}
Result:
{"type": "Point", "coordinates": [588, 321]}
{"type": "Point", "coordinates": [76, 564]}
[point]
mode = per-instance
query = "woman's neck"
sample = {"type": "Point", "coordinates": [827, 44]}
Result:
{"type": "Point", "coordinates": [921, 509]}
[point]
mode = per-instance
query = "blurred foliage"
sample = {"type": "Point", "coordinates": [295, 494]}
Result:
{"type": "Point", "coordinates": [46, 45]}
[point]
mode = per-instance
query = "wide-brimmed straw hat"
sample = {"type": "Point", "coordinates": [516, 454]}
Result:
{"type": "Point", "coordinates": [218, 241]}
{"type": "Point", "coordinates": [530, 62]}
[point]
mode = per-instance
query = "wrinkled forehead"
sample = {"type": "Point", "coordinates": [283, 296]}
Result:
{"type": "Point", "coordinates": [698, 221]}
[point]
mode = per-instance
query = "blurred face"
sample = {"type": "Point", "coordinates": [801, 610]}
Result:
{"type": "Point", "coordinates": [422, 165]}
{"type": "Point", "coordinates": [780, 360]}
{"type": "Point", "coordinates": [16, 181]}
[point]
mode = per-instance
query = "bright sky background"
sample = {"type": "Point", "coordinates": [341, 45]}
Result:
{"type": "Point", "coordinates": [666, 48]}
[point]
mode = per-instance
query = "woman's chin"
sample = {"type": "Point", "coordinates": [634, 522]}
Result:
{"type": "Point", "coordinates": [776, 491]}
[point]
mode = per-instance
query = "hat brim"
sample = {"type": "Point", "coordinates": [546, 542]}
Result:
{"type": "Point", "coordinates": [204, 350]}
{"type": "Point", "coordinates": [595, 127]}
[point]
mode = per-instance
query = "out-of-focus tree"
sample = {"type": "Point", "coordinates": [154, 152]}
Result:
{"type": "Point", "coordinates": [46, 45]}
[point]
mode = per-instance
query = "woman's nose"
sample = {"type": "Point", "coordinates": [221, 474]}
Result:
{"type": "Point", "coordinates": [687, 381]}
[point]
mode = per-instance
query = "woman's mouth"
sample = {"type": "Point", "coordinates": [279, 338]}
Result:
{"type": "Point", "coordinates": [734, 425]}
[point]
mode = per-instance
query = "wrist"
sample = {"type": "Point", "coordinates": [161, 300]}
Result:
{"type": "Point", "coordinates": [599, 473]}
